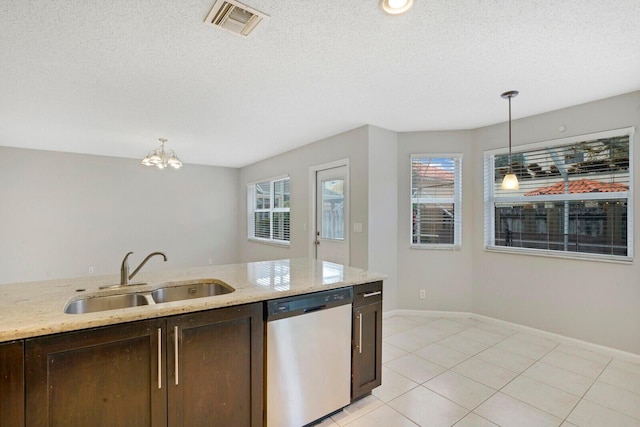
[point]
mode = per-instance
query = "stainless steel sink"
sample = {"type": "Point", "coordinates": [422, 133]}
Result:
{"type": "Point", "coordinates": [198, 289]}
{"type": "Point", "coordinates": [110, 302]}
{"type": "Point", "coordinates": [177, 291]}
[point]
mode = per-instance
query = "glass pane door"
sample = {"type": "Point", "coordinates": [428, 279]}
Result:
{"type": "Point", "coordinates": [333, 209]}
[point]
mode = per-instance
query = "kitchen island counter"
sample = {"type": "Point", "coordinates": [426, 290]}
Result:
{"type": "Point", "coordinates": [31, 309]}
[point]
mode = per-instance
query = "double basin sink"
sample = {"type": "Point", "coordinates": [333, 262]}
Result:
{"type": "Point", "coordinates": [172, 292]}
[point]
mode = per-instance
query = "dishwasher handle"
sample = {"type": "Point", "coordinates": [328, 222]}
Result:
{"type": "Point", "coordinates": [317, 308]}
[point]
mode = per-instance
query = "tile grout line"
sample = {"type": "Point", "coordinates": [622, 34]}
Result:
{"type": "Point", "coordinates": [469, 411]}
{"type": "Point", "coordinates": [471, 379]}
{"type": "Point", "coordinates": [491, 346]}
{"type": "Point", "coordinates": [529, 404]}
{"type": "Point", "coordinates": [595, 403]}
{"type": "Point", "coordinates": [509, 382]}
{"type": "Point", "coordinates": [422, 384]}
{"type": "Point", "coordinates": [539, 360]}
{"type": "Point", "coordinates": [587, 391]}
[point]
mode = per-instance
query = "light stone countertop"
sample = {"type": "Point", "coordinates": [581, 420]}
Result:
{"type": "Point", "coordinates": [31, 309]}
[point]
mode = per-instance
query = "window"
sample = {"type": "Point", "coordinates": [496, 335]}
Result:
{"type": "Point", "coordinates": [268, 216]}
{"type": "Point", "coordinates": [574, 198]}
{"type": "Point", "coordinates": [436, 201]}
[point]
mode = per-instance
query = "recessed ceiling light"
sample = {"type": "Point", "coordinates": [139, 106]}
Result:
{"type": "Point", "coordinates": [396, 7]}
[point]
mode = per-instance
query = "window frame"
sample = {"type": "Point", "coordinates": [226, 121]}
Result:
{"type": "Point", "coordinates": [490, 200]}
{"type": "Point", "coordinates": [252, 210]}
{"type": "Point", "coordinates": [456, 200]}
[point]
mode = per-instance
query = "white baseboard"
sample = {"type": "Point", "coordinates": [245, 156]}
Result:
{"type": "Point", "coordinates": [612, 352]}
{"type": "Point", "coordinates": [427, 313]}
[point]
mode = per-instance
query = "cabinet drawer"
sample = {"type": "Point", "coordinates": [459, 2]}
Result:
{"type": "Point", "coordinates": [369, 293]}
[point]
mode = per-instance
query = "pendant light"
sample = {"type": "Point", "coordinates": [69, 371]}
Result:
{"type": "Point", "coordinates": [161, 159]}
{"type": "Point", "coordinates": [510, 180]}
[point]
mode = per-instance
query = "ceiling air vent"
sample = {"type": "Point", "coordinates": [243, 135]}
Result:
{"type": "Point", "coordinates": [235, 17]}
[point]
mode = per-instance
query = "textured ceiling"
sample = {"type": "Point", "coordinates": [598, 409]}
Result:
{"type": "Point", "coordinates": [110, 77]}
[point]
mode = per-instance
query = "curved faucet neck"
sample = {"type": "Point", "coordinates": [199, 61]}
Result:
{"type": "Point", "coordinates": [125, 277]}
{"type": "Point", "coordinates": [145, 261]}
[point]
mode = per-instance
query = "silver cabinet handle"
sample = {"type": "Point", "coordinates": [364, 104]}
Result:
{"type": "Point", "coordinates": [360, 333]}
{"type": "Point", "coordinates": [175, 344]}
{"type": "Point", "coordinates": [372, 294]}
{"type": "Point", "coordinates": [159, 358]}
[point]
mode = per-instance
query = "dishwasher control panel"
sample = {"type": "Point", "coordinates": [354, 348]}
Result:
{"type": "Point", "coordinates": [300, 304]}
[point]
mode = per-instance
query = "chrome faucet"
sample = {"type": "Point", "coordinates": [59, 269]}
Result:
{"type": "Point", "coordinates": [125, 277]}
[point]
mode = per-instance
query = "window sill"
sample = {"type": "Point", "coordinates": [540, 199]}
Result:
{"type": "Point", "coordinates": [278, 243]}
{"type": "Point", "coordinates": [562, 255]}
{"type": "Point", "coordinates": [440, 247]}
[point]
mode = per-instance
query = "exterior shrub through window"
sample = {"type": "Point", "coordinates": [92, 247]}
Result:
{"type": "Point", "coordinates": [574, 197]}
{"type": "Point", "coordinates": [436, 201]}
{"type": "Point", "coordinates": [269, 209]}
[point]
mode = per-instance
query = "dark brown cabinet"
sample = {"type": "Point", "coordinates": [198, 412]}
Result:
{"type": "Point", "coordinates": [366, 360]}
{"type": "Point", "coordinates": [197, 369]}
{"type": "Point", "coordinates": [12, 384]}
{"type": "Point", "coordinates": [216, 367]}
{"type": "Point", "coordinates": [106, 376]}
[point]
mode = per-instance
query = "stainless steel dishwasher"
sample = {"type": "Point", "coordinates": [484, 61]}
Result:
{"type": "Point", "coordinates": [308, 357]}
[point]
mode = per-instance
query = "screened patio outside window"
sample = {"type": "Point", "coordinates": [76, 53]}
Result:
{"type": "Point", "coordinates": [574, 198]}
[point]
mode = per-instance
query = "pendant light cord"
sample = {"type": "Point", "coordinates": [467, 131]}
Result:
{"type": "Point", "coordinates": [510, 165]}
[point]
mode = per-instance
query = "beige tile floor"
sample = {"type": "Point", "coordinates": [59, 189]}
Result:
{"type": "Point", "coordinates": [466, 373]}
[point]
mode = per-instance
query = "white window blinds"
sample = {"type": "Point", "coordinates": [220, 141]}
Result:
{"type": "Point", "coordinates": [269, 210]}
{"type": "Point", "coordinates": [574, 197]}
{"type": "Point", "coordinates": [436, 201]}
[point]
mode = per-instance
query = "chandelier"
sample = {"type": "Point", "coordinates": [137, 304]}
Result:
{"type": "Point", "coordinates": [161, 159]}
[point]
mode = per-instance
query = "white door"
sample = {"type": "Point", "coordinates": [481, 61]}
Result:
{"type": "Point", "coordinates": [332, 223]}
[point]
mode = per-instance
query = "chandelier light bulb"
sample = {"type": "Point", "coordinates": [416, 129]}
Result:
{"type": "Point", "coordinates": [155, 158]}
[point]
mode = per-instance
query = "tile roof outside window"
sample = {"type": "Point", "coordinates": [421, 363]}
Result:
{"type": "Point", "coordinates": [580, 186]}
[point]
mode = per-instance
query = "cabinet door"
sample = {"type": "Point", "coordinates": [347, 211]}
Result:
{"type": "Point", "coordinates": [97, 377]}
{"type": "Point", "coordinates": [12, 384]}
{"type": "Point", "coordinates": [215, 367]}
{"type": "Point", "coordinates": [366, 369]}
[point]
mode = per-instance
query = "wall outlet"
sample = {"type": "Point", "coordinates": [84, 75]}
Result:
{"type": "Point", "coordinates": [210, 261]}
{"type": "Point", "coordinates": [423, 294]}
{"type": "Point", "coordinates": [357, 227]}
{"type": "Point", "coordinates": [90, 270]}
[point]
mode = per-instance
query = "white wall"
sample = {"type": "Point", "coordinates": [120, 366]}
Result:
{"type": "Point", "coordinates": [296, 163]}
{"type": "Point", "coordinates": [589, 300]}
{"type": "Point", "coordinates": [383, 210]}
{"type": "Point", "coordinates": [62, 213]}
{"type": "Point", "coordinates": [445, 275]}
